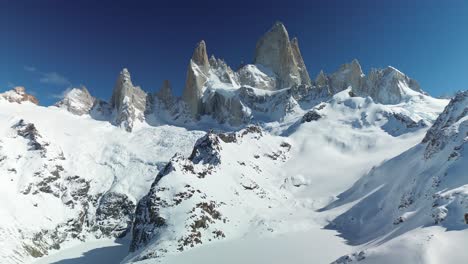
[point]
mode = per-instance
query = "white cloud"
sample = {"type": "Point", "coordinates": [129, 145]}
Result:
{"type": "Point", "coordinates": [62, 94]}
{"type": "Point", "coordinates": [54, 78]}
{"type": "Point", "coordinates": [30, 68]}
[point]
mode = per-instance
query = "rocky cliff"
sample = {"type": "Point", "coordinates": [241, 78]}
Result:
{"type": "Point", "coordinates": [275, 51]}
{"type": "Point", "coordinates": [197, 75]}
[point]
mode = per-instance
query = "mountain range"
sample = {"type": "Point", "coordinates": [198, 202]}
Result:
{"type": "Point", "coordinates": [261, 164]}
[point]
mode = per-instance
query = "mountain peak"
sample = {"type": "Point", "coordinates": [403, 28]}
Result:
{"type": "Point", "coordinates": [19, 95]}
{"type": "Point", "coordinates": [200, 56]}
{"type": "Point", "coordinates": [128, 101]}
{"type": "Point", "coordinates": [77, 101]}
{"type": "Point", "coordinates": [165, 93]}
{"type": "Point", "coordinates": [124, 76]}
{"type": "Point", "coordinates": [275, 51]}
{"type": "Point", "coordinates": [321, 79]}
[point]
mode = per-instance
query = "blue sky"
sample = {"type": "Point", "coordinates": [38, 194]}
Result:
{"type": "Point", "coordinates": [50, 45]}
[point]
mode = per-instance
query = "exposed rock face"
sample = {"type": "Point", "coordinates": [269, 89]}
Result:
{"type": "Point", "coordinates": [310, 116]}
{"type": "Point", "coordinates": [386, 86]}
{"type": "Point", "coordinates": [114, 215]}
{"type": "Point", "coordinates": [442, 132]}
{"type": "Point", "coordinates": [305, 78]}
{"type": "Point", "coordinates": [321, 80]}
{"type": "Point", "coordinates": [197, 75]}
{"type": "Point", "coordinates": [225, 109]}
{"type": "Point", "coordinates": [19, 95]}
{"type": "Point", "coordinates": [349, 74]}
{"type": "Point", "coordinates": [128, 102]}
{"type": "Point", "coordinates": [275, 51]}
{"type": "Point", "coordinates": [77, 101]}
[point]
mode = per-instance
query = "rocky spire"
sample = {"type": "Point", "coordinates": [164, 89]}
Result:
{"type": "Point", "coordinates": [305, 78]}
{"type": "Point", "coordinates": [197, 75]}
{"type": "Point", "coordinates": [128, 101]}
{"type": "Point", "coordinates": [275, 51]}
{"type": "Point", "coordinates": [200, 56]}
{"type": "Point", "coordinates": [321, 79]}
{"type": "Point", "coordinates": [348, 75]}
{"type": "Point", "coordinates": [387, 86]}
{"type": "Point", "coordinates": [165, 93]}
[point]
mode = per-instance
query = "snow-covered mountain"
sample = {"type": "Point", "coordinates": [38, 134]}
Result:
{"type": "Point", "coordinates": [424, 186]}
{"type": "Point", "coordinates": [253, 156]}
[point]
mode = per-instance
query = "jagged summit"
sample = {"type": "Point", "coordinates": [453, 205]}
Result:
{"type": "Point", "coordinates": [78, 101]}
{"type": "Point", "coordinates": [304, 74]}
{"type": "Point", "coordinates": [321, 79]}
{"type": "Point", "coordinates": [277, 85]}
{"type": "Point", "coordinates": [200, 56]}
{"type": "Point", "coordinates": [19, 95]}
{"type": "Point", "coordinates": [128, 101]}
{"type": "Point", "coordinates": [197, 75]}
{"type": "Point", "coordinates": [165, 91]}
{"type": "Point", "coordinates": [349, 74]}
{"type": "Point", "coordinates": [275, 51]}
{"type": "Point", "coordinates": [165, 94]}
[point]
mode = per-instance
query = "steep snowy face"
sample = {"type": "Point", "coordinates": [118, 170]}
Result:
{"type": "Point", "coordinates": [424, 186]}
{"type": "Point", "coordinates": [19, 95]}
{"type": "Point", "coordinates": [257, 76]}
{"type": "Point", "coordinates": [388, 86]}
{"type": "Point", "coordinates": [449, 126]}
{"type": "Point", "coordinates": [221, 73]}
{"type": "Point", "coordinates": [197, 75]}
{"type": "Point", "coordinates": [128, 102]}
{"type": "Point", "coordinates": [275, 51]}
{"type": "Point", "coordinates": [77, 101]}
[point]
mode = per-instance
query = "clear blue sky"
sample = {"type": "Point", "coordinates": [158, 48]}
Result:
{"type": "Point", "coordinates": [50, 45]}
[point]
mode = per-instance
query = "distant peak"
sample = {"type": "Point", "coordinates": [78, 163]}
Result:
{"type": "Point", "coordinates": [20, 90]}
{"type": "Point", "coordinates": [18, 95]}
{"type": "Point", "coordinates": [124, 71]}
{"type": "Point", "coordinates": [278, 29]}
{"type": "Point", "coordinates": [166, 85]}
{"type": "Point", "coordinates": [124, 75]}
{"type": "Point", "coordinates": [202, 43]}
{"type": "Point", "coordinates": [356, 63]}
{"type": "Point", "coordinates": [294, 41]}
{"type": "Point", "coordinates": [279, 24]}
{"type": "Point", "coordinates": [200, 56]}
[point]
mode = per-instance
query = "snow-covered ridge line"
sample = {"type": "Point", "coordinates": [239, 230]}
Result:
{"type": "Point", "coordinates": [239, 97]}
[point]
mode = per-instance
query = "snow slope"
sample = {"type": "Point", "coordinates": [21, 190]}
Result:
{"type": "Point", "coordinates": [254, 185]}
{"type": "Point", "coordinates": [426, 186]}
